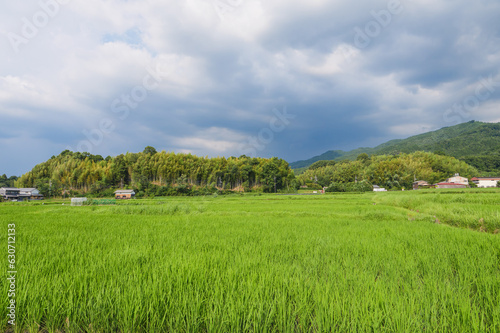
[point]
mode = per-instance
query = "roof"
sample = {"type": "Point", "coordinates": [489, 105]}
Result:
{"type": "Point", "coordinates": [124, 191]}
{"type": "Point", "coordinates": [421, 182]}
{"type": "Point", "coordinates": [10, 188]}
{"type": "Point", "coordinates": [27, 189]}
{"type": "Point", "coordinates": [486, 178]}
{"type": "Point", "coordinates": [455, 184]}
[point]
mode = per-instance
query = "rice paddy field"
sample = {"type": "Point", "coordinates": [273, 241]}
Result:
{"type": "Point", "coordinates": [420, 261]}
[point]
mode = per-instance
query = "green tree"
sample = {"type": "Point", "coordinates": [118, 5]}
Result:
{"type": "Point", "coordinates": [43, 186]}
{"type": "Point", "coordinates": [149, 150]}
{"type": "Point", "coordinates": [363, 157]}
{"type": "Point", "coordinates": [84, 172]}
{"type": "Point", "coordinates": [321, 164]}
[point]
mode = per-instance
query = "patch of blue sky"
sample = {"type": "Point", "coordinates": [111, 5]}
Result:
{"type": "Point", "coordinates": [130, 37]}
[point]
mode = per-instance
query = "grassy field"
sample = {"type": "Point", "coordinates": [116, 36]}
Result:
{"type": "Point", "coordinates": [476, 209]}
{"type": "Point", "coordinates": [326, 263]}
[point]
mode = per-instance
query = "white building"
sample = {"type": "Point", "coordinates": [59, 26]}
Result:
{"type": "Point", "coordinates": [12, 193]}
{"type": "Point", "coordinates": [78, 201]}
{"type": "Point", "coordinates": [377, 188]}
{"type": "Point", "coordinates": [457, 179]}
{"type": "Point", "coordinates": [124, 194]}
{"type": "Point", "coordinates": [31, 192]}
{"type": "Point", "coordinates": [486, 182]}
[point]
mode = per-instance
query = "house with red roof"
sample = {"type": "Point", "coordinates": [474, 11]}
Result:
{"type": "Point", "coordinates": [485, 182]}
{"type": "Point", "coordinates": [457, 179]}
{"type": "Point", "coordinates": [450, 185]}
{"type": "Point", "coordinates": [454, 182]}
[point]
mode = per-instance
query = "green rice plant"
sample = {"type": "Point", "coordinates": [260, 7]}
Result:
{"type": "Point", "coordinates": [477, 209]}
{"type": "Point", "coordinates": [99, 202]}
{"type": "Point", "coordinates": [331, 263]}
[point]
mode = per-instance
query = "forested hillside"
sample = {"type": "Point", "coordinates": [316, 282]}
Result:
{"type": "Point", "coordinates": [475, 142]}
{"type": "Point", "coordinates": [392, 172]}
{"type": "Point", "coordinates": [159, 173]}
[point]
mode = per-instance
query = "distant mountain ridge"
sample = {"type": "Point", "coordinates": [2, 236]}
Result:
{"type": "Point", "coordinates": [473, 142]}
{"type": "Point", "coordinates": [329, 155]}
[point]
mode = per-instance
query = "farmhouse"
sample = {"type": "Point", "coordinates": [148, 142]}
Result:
{"type": "Point", "coordinates": [9, 193]}
{"type": "Point", "coordinates": [485, 182]}
{"type": "Point", "coordinates": [457, 179]}
{"type": "Point", "coordinates": [124, 194]}
{"type": "Point", "coordinates": [19, 194]}
{"type": "Point", "coordinates": [421, 184]}
{"type": "Point", "coordinates": [30, 193]}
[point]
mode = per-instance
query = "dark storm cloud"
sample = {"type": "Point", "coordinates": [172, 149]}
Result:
{"type": "Point", "coordinates": [226, 75]}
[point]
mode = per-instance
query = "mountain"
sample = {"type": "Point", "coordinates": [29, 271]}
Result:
{"type": "Point", "coordinates": [329, 155]}
{"type": "Point", "coordinates": [475, 142]}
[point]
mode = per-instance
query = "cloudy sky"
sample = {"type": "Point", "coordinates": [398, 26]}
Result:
{"type": "Point", "coordinates": [286, 78]}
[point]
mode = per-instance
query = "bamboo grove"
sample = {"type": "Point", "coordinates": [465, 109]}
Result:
{"type": "Point", "coordinates": [83, 172]}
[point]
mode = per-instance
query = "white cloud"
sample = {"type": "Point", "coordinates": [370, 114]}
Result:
{"type": "Point", "coordinates": [214, 140]}
{"type": "Point", "coordinates": [410, 129]}
{"type": "Point", "coordinates": [223, 73]}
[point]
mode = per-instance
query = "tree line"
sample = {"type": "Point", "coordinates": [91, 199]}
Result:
{"type": "Point", "coordinates": [155, 173]}
{"type": "Point", "coordinates": [389, 171]}
{"type": "Point", "coordinates": [152, 172]}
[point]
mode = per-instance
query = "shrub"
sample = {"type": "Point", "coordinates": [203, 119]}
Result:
{"type": "Point", "coordinates": [362, 186]}
{"type": "Point", "coordinates": [313, 186]}
{"type": "Point", "coordinates": [336, 187]}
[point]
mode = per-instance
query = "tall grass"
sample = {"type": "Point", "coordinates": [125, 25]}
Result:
{"type": "Point", "coordinates": [250, 264]}
{"type": "Point", "coordinates": [477, 209]}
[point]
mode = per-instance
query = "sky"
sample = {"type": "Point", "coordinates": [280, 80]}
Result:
{"type": "Point", "coordinates": [285, 78]}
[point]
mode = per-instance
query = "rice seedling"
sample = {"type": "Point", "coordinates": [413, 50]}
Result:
{"type": "Point", "coordinates": [331, 263]}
